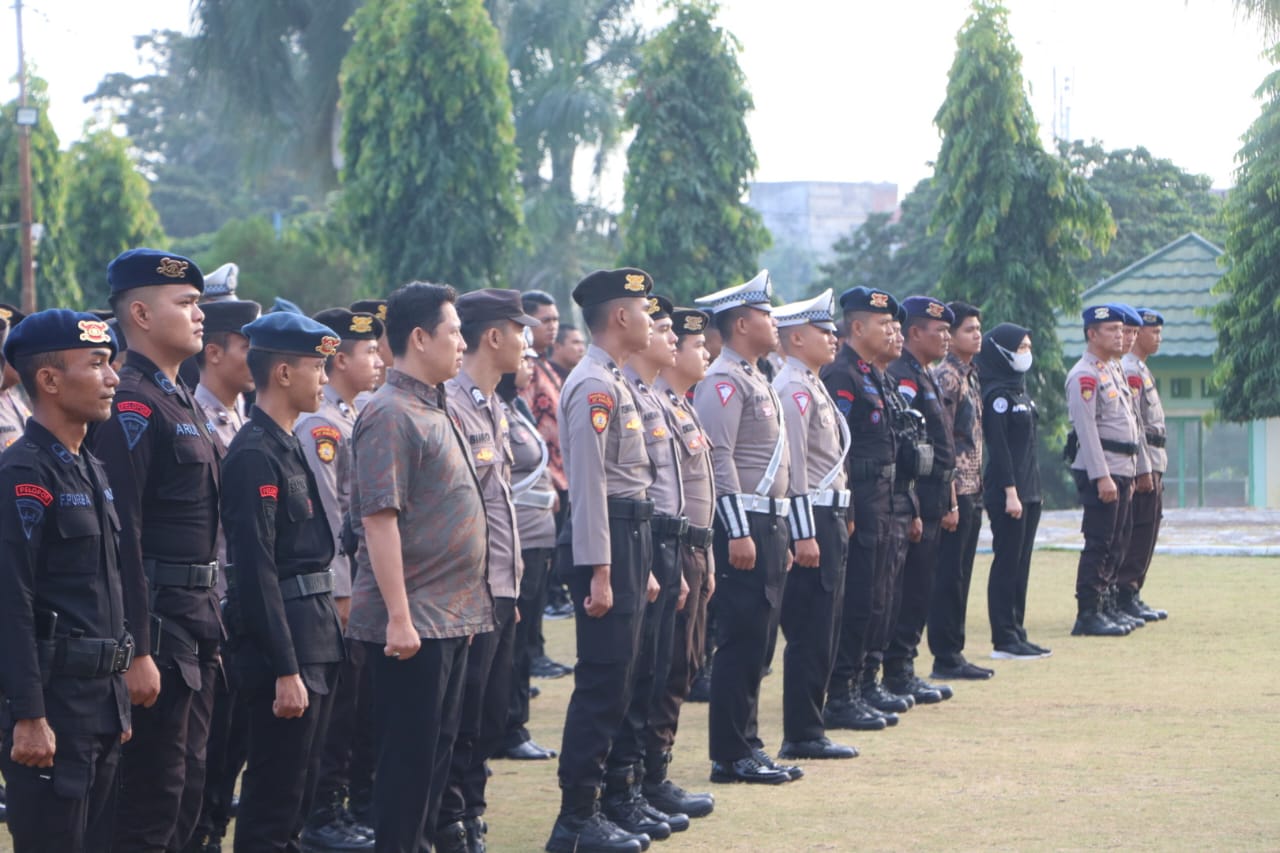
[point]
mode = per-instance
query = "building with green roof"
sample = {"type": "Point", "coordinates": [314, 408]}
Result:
{"type": "Point", "coordinates": [1211, 463]}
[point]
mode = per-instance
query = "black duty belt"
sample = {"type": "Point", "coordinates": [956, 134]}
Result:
{"type": "Point", "coordinates": [1124, 448]}
{"type": "Point", "coordinates": [628, 509]}
{"type": "Point", "coordinates": [302, 586]}
{"type": "Point", "coordinates": [88, 657]}
{"type": "Point", "coordinates": [698, 537]}
{"type": "Point", "coordinates": [669, 525]}
{"type": "Point", "coordinates": [186, 575]}
{"type": "Point", "coordinates": [861, 470]}
{"type": "Point", "coordinates": [1155, 439]}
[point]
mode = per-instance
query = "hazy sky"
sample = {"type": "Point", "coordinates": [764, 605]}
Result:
{"type": "Point", "coordinates": [846, 90]}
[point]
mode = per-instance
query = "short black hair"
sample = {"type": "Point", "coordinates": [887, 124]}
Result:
{"type": "Point", "coordinates": [563, 331]}
{"type": "Point", "coordinates": [418, 304]}
{"type": "Point", "coordinates": [596, 316]}
{"type": "Point", "coordinates": [29, 365]}
{"type": "Point", "coordinates": [262, 362]}
{"type": "Point", "coordinates": [473, 332]}
{"type": "Point", "coordinates": [914, 321]}
{"type": "Point", "coordinates": [531, 300]}
{"type": "Point", "coordinates": [221, 339]}
{"type": "Point", "coordinates": [725, 319]}
{"type": "Point", "coordinates": [963, 311]}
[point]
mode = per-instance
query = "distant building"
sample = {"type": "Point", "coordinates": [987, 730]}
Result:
{"type": "Point", "coordinates": [806, 218]}
{"type": "Point", "coordinates": [1211, 463]}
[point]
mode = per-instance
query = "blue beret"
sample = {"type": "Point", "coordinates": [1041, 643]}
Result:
{"type": "Point", "coordinates": [1101, 314]}
{"type": "Point", "coordinates": [150, 268]}
{"type": "Point", "coordinates": [1150, 317]}
{"type": "Point", "coordinates": [58, 329]}
{"type": "Point", "coordinates": [868, 299]}
{"type": "Point", "coordinates": [1128, 313]}
{"type": "Point", "coordinates": [295, 334]}
{"type": "Point", "coordinates": [928, 308]}
{"type": "Point", "coordinates": [603, 285]}
{"type": "Point", "coordinates": [280, 304]}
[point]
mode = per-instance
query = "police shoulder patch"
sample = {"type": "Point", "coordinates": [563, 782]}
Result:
{"type": "Point", "coordinates": [802, 399]}
{"type": "Point", "coordinates": [599, 417]}
{"type": "Point", "coordinates": [1000, 405]}
{"type": "Point", "coordinates": [725, 391]}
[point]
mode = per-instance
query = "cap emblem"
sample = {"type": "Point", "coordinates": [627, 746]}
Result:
{"type": "Point", "coordinates": [635, 283]}
{"type": "Point", "coordinates": [328, 345]}
{"type": "Point", "coordinates": [879, 300]}
{"type": "Point", "coordinates": [361, 325]}
{"type": "Point", "coordinates": [172, 268]}
{"type": "Point", "coordinates": [94, 331]}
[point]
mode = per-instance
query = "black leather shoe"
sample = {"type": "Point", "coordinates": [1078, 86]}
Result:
{"type": "Point", "coordinates": [1131, 605]}
{"type": "Point", "coordinates": [596, 834]}
{"type": "Point", "coordinates": [875, 695]}
{"type": "Point", "coordinates": [337, 835]}
{"type": "Point", "coordinates": [534, 691]}
{"type": "Point", "coordinates": [1036, 647]}
{"type": "Point", "coordinates": [818, 748]}
{"type": "Point", "coordinates": [451, 838]}
{"type": "Point", "coordinates": [1017, 650]}
{"type": "Point", "coordinates": [476, 831]}
{"type": "Point", "coordinates": [545, 667]}
{"type": "Point", "coordinates": [669, 797]}
{"type": "Point", "coordinates": [963, 671]}
{"type": "Point", "coordinates": [529, 751]}
{"type": "Point", "coordinates": [921, 691]}
{"type": "Point", "coordinates": [1092, 623]}
{"type": "Point", "coordinates": [1159, 614]}
{"type": "Point", "coordinates": [793, 772]}
{"type": "Point", "coordinates": [747, 770]}
{"type": "Point", "coordinates": [853, 715]}
{"type": "Point", "coordinates": [700, 691]}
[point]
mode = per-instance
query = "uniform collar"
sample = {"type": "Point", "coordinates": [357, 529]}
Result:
{"type": "Point", "coordinates": [47, 441]}
{"type": "Point", "coordinates": [432, 395]}
{"type": "Point", "coordinates": [268, 425]}
{"type": "Point", "coordinates": [799, 366]}
{"type": "Point", "coordinates": [154, 374]}
{"type": "Point", "coordinates": [333, 398]}
{"type": "Point", "coordinates": [729, 354]}
{"type": "Point", "coordinates": [468, 386]}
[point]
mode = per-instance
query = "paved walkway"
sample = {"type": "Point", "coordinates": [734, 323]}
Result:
{"type": "Point", "coordinates": [1238, 532]}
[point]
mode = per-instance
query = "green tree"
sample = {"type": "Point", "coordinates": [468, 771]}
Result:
{"type": "Point", "coordinates": [1247, 372]}
{"type": "Point", "coordinates": [108, 204]}
{"type": "Point", "coordinates": [864, 256]}
{"type": "Point", "coordinates": [56, 284]}
{"type": "Point", "coordinates": [430, 164]}
{"type": "Point", "coordinates": [1013, 216]}
{"type": "Point", "coordinates": [568, 59]}
{"type": "Point", "coordinates": [1265, 12]}
{"type": "Point", "coordinates": [684, 219]}
{"type": "Point", "coordinates": [1152, 200]}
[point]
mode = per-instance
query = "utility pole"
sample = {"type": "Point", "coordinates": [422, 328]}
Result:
{"type": "Point", "coordinates": [28, 267]}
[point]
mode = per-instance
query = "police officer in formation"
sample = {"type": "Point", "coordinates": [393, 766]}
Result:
{"type": "Point", "coordinates": [818, 440]}
{"type": "Point", "coordinates": [66, 709]}
{"type": "Point", "coordinates": [817, 502]}
{"type": "Point", "coordinates": [742, 416]}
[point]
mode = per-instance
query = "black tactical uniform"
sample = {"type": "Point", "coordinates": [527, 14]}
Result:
{"type": "Point", "coordinates": [282, 622]}
{"type": "Point", "coordinates": [163, 462]}
{"type": "Point", "coordinates": [65, 644]}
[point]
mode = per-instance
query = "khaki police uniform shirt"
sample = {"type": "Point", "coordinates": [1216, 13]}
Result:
{"type": "Point", "coordinates": [741, 415]}
{"type": "Point", "coordinates": [660, 443]}
{"type": "Point", "coordinates": [1142, 386]}
{"type": "Point", "coordinates": [485, 427]}
{"type": "Point", "coordinates": [226, 422]}
{"type": "Point", "coordinates": [325, 437]}
{"type": "Point", "coordinates": [695, 456]}
{"type": "Point", "coordinates": [813, 440]}
{"type": "Point", "coordinates": [602, 442]}
{"type": "Point", "coordinates": [1099, 408]}
{"type": "Point", "coordinates": [13, 417]}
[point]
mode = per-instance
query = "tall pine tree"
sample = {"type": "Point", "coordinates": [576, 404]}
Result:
{"type": "Point", "coordinates": [430, 174]}
{"type": "Point", "coordinates": [1013, 216]}
{"type": "Point", "coordinates": [1248, 317]}
{"type": "Point", "coordinates": [684, 219]}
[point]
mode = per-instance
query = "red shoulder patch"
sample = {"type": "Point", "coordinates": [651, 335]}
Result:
{"type": "Point", "coordinates": [599, 398]}
{"type": "Point", "coordinates": [845, 395]}
{"type": "Point", "coordinates": [326, 432]}
{"type": "Point", "coordinates": [1135, 382]}
{"type": "Point", "coordinates": [134, 406]}
{"type": "Point", "coordinates": [725, 391]}
{"type": "Point", "coordinates": [31, 490]}
{"type": "Point", "coordinates": [1088, 382]}
{"type": "Point", "coordinates": [272, 492]}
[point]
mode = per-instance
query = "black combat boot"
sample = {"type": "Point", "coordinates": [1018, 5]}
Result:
{"type": "Point", "coordinates": [667, 796]}
{"type": "Point", "coordinates": [1129, 603]}
{"type": "Point", "coordinates": [622, 804]}
{"type": "Point", "coordinates": [581, 828]}
{"type": "Point", "coordinates": [451, 838]}
{"type": "Point", "coordinates": [476, 831]}
{"type": "Point", "coordinates": [878, 697]}
{"type": "Point", "coordinates": [1091, 621]}
{"type": "Point", "coordinates": [1111, 605]}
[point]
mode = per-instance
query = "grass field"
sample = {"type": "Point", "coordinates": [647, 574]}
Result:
{"type": "Point", "coordinates": [1168, 739]}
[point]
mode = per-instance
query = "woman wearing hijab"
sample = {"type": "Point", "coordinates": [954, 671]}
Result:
{"type": "Point", "coordinates": [1011, 485]}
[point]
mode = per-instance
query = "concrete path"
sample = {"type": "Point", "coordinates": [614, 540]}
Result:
{"type": "Point", "coordinates": [1239, 532]}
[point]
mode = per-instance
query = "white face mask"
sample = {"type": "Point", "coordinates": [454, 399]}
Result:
{"type": "Point", "coordinates": [1021, 361]}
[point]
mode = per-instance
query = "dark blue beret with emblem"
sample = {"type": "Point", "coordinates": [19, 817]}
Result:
{"type": "Point", "coordinates": [282, 305]}
{"type": "Point", "coordinates": [293, 334]}
{"type": "Point", "coordinates": [1095, 314]}
{"type": "Point", "coordinates": [1151, 317]}
{"type": "Point", "coordinates": [57, 329]}
{"type": "Point", "coordinates": [928, 308]}
{"type": "Point", "coordinates": [604, 285]}
{"type": "Point", "coordinates": [689, 321]}
{"type": "Point", "coordinates": [351, 325]}
{"type": "Point", "coordinates": [868, 299]}
{"type": "Point", "coordinates": [152, 268]}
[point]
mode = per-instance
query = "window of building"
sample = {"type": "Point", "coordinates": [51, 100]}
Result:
{"type": "Point", "coordinates": [1180, 387]}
